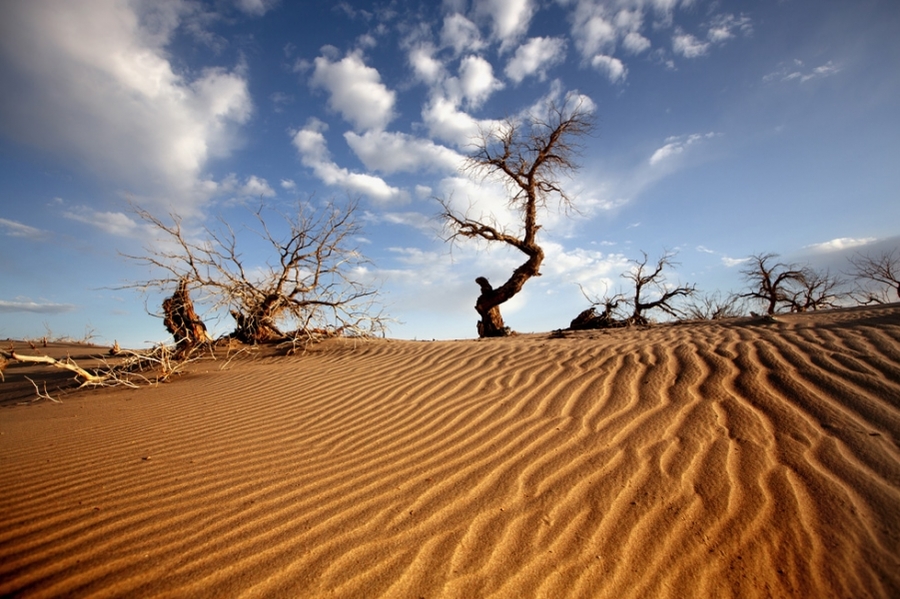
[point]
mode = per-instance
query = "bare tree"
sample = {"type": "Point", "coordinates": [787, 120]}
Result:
{"type": "Point", "coordinates": [651, 281]}
{"type": "Point", "coordinates": [715, 306]}
{"type": "Point", "coordinates": [771, 283]}
{"type": "Point", "coordinates": [883, 270]}
{"type": "Point", "coordinates": [607, 318]}
{"type": "Point", "coordinates": [310, 285]}
{"type": "Point", "coordinates": [529, 155]}
{"type": "Point", "coordinates": [815, 290]}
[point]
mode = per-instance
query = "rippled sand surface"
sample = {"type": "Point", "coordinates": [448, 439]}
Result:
{"type": "Point", "coordinates": [736, 459]}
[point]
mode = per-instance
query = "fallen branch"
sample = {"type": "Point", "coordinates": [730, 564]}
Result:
{"type": "Point", "coordinates": [128, 373]}
{"type": "Point", "coordinates": [87, 377]}
{"type": "Point", "coordinates": [43, 395]}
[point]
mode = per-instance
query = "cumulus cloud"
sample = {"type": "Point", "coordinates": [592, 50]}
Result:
{"type": "Point", "coordinates": [7, 306]}
{"type": "Point", "coordinates": [399, 152]}
{"type": "Point", "coordinates": [355, 90]}
{"type": "Point", "coordinates": [93, 84]}
{"type": "Point", "coordinates": [535, 57]}
{"type": "Point", "coordinates": [687, 45]}
{"type": "Point", "coordinates": [14, 228]}
{"type": "Point", "coordinates": [288, 184]}
{"type": "Point", "coordinates": [509, 18]}
{"type": "Point", "coordinates": [447, 122]}
{"type": "Point", "coordinates": [477, 81]}
{"type": "Point", "coordinates": [676, 145]}
{"type": "Point", "coordinates": [251, 187]}
{"type": "Point", "coordinates": [635, 43]}
{"type": "Point", "coordinates": [595, 271]}
{"type": "Point", "coordinates": [613, 68]}
{"type": "Point", "coordinates": [310, 142]}
{"type": "Point", "coordinates": [425, 66]}
{"type": "Point", "coordinates": [596, 34]}
{"type": "Point", "coordinates": [460, 34]}
{"type": "Point", "coordinates": [841, 243]}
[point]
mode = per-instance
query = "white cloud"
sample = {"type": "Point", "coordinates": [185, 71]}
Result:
{"type": "Point", "coordinates": [34, 307]}
{"type": "Point", "coordinates": [797, 71]}
{"type": "Point", "coordinates": [732, 262]}
{"type": "Point", "coordinates": [635, 43]}
{"type": "Point", "coordinates": [724, 27]}
{"type": "Point", "coordinates": [597, 34]}
{"type": "Point", "coordinates": [310, 142]}
{"type": "Point", "coordinates": [256, 8]}
{"type": "Point", "coordinates": [676, 145]}
{"type": "Point", "coordinates": [288, 184]}
{"type": "Point", "coordinates": [425, 66]}
{"type": "Point", "coordinates": [688, 46]}
{"type": "Point", "coordinates": [252, 187]}
{"type": "Point", "coordinates": [534, 57]}
{"type": "Point", "coordinates": [399, 152]}
{"type": "Point", "coordinates": [112, 223]}
{"type": "Point", "coordinates": [460, 34]}
{"type": "Point", "coordinates": [841, 243]}
{"type": "Point", "coordinates": [476, 80]}
{"type": "Point", "coordinates": [416, 220]}
{"type": "Point", "coordinates": [594, 271]}
{"type": "Point", "coordinates": [17, 229]}
{"type": "Point", "coordinates": [355, 90]}
{"type": "Point", "coordinates": [509, 18]}
{"type": "Point", "coordinates": [613, 68]}
{"type": "Point", "coordinates": [447, 122]}
{"type": "Point", "coordinates": [92, 83]}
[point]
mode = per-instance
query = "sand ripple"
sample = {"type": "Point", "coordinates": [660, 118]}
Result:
{"type": "Point", "coordinates": [740, 459]}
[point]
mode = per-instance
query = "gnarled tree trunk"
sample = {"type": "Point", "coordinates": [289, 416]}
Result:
{"type": "Point", "coordinates": [488, 303]}
{"type": "Point", "coordinates": [491, 323]}
{"type": "Point", "coordinates": [182, 321]}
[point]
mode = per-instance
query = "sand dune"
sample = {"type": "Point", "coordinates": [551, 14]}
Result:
{"type": "Point", "coordinates": [736, 459]}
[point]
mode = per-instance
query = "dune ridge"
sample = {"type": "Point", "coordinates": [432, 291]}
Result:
{"type": "Point", "coordinates": [736, 459]}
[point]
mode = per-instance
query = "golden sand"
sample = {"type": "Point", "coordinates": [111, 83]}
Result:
{"type": "Point", "coordinates": [742, 458]}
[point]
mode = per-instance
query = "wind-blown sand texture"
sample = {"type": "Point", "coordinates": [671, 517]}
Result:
{"type": "Point", "coordinates": [737, 459]}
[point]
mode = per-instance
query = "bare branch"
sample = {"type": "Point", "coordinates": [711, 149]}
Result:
{"type": "Point", "coordinates": [883, 270]}
{"type": "Point", "coordinates": [654, 282]}
{"type": "Point", "coordinates": [770, 283]}
{"type": "Point", "coordinates": [311, 281]}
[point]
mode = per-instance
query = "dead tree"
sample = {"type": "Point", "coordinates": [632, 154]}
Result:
{"type": "Point", "coordinates": [815, 290]}
{"type": "Point", "coordinates": [528, 155]}
{"type": "Point", "coordinates": [714, 306]}
{"type": "Point", "coordinates": [771, 284]}
{"type": "Point", "coordinates": [883, 270]}
{"type": "Point", "coordinates": [592, 319]}
{"type": "Point", "coordinates": [652, 282]}
{"type": "Point", "coordinates": [311, 281]}
{"type": "Point", "coordinates": [181, 320]}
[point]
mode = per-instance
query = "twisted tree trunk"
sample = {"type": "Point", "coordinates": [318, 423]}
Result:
{"type": "Point", "coordinates": [182, 321]}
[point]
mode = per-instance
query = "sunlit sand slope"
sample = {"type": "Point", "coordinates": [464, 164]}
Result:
{"type": "Point", "coordinates": [744, 459]}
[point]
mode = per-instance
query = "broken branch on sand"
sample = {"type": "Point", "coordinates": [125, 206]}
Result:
{"type": "Point", "coordinates": [87, 377]}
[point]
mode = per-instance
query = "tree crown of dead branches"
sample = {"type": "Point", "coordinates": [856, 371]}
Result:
{"type": "Point", "coordinates": [312, 278]}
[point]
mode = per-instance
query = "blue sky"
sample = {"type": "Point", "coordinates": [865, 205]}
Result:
{"type": "Point", "coordinates": [723, 129]}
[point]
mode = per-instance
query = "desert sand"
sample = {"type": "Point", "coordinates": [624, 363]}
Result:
{"type": "Point", "coordinates": [742, 458]}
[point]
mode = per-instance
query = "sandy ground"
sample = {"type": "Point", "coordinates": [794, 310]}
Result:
{"type": "Point", "coordinates": [736, 459]}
